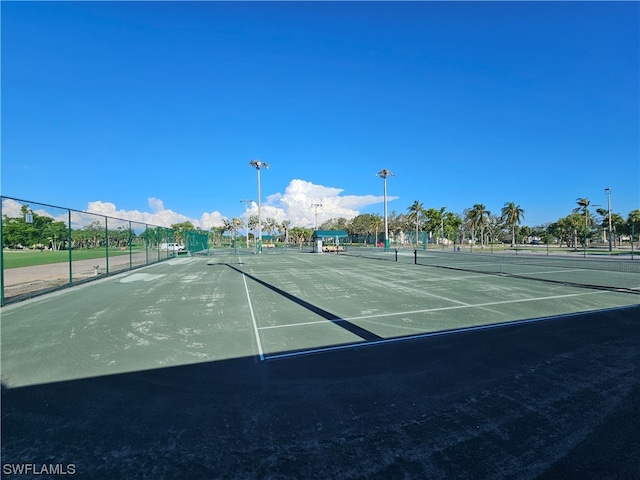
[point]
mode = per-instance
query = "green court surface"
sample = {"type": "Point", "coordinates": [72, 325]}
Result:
{"type": "Point", "coordinates": [199, 309]}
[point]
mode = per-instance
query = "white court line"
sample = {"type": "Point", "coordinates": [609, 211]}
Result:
{"type": "Point", "coordinates": [479, 305]}
{"type": "Point", "coordinates": [439, 309]}
{"type": "Point", "coordinates": [253, 319]}
{"type": "Point", "coordinates": [385, 284]}
{"type": "Point", "coordinates": [302, 324]}
{"type": "Point", "coordinates": [431, 334]}
{"type": "Point", "coordinates": [564, 270]}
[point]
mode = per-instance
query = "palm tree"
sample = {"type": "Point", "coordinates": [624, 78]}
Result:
{"type": "Point", "coordinates": [512, 215]}
{"type": "Point", "coordinates": [271, 226]}
{"type": "Point", "coordinates": [216, 234]}
{"type": "Point", "coordinates": [252, 224]}
{"type": "Point", "coordinates": [478, 216]}
{"type": "Point", "coordinates": [442, 210]}
{"type": "Point", "coordinates": [285, 227]}
{"type": "Point", "coordinates": [377, 224]}
{"type": "Point", "coordinates": [227, 226]}
{"type": "Point", "coordinates": [300, 234]}
{"type": "Point", "coordinates": [633, 220]}
{"type": "Point", "coordinates": [604, 214]}
{"type": "Point", "coordinates": [583, 207]}
{"type": "Point", "coordinates": [236, 223]}
{"type": "Point", "coordinates": [414, 215]}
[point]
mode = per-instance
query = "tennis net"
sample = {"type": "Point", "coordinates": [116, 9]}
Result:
{"type": "Point", "coordinates": [617, 274]}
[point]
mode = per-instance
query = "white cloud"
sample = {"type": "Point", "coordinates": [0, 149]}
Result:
{"type": "Point", "coordinates": [156, 204]}
{"type": "Point", "coordinates": [296, 203]}
{"type": "Point", "coordinates": [208, 220]}
{"type": "Point", "coordinates": [159, 215]}
{"type": "Point", "coordinates": [11, 208]}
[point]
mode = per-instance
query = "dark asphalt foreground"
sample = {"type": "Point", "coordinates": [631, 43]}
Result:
{"type": "Point", "coordinates": [554, 399]}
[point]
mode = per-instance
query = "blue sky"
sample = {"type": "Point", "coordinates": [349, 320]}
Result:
{"type": "Point", "coordinates": [155, 109]}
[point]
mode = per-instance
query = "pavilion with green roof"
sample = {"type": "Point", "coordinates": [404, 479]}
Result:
{"type": "Point", "coordinates": [329, 240]}
{"type": "Point", "coordinates": [326, 235]}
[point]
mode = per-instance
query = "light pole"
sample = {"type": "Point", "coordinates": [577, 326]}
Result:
{"type": "Point", "coordinates": [384, 173]}
{"type": "Point", "coordinates": [608, 192]}
{"type": "Point", "coordinates": [258, 164]}
{"type": "Point", "coordinates": [316, 205]}
{"type": "Point", "coordinates": [246, 219]}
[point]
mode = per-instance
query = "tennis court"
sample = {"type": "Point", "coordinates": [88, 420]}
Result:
{"type": "Point", "coordinates": [259, 318]}
{"type": "Point", "coordinates": [204, 308]}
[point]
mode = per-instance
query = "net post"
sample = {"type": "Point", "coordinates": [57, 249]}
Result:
{"type": "Point", "coordinates": [396, 254]}
{"type": "Point", "coordinates": [415, 257]}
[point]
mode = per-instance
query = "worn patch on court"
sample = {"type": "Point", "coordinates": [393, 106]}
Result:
{"type": "Point", "coordinates": [141, 277]}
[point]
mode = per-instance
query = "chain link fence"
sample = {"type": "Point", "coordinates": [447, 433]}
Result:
{"type": "Point", "coordinates": [45, 247]}
{"type": "Point", "coordinates": [196, 242]}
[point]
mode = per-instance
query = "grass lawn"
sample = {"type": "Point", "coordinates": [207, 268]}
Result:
{"type": "Point", "coordinates": [28, 258]}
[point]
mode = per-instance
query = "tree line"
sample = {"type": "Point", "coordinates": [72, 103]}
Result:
{"type": "Point", "coordinates": [476, 225]}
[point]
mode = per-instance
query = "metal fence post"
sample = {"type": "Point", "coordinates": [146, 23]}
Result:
{"type": "Point", "coordinates": [70, 248]}
{"type": "Point", "coordinates": [146, 244]}
{"type": "Point", "coordinates": [106, 233]}
{"type": "Point", "coordinates": [547, 240]}
{"type": "Point", "coordinates": [2, 256]}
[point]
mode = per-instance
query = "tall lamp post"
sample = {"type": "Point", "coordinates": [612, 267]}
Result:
{"type": "Point", "coordinates": [316, 205]}
{"type": "Point", "coordinates": [246, 218]}
{"type": "Point", "coordinates": [384, 173]}
{"type": "Point", "coordinates": [608, 192]}
{"type": "Point", "coordinates": [258, 164]}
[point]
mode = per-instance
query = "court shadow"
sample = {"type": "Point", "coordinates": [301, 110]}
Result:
{"type": "Point", "coordinates": [443, 407]}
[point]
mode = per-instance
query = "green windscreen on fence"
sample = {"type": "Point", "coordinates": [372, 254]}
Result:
{"type": "Point", "coordinates": [195, 242]}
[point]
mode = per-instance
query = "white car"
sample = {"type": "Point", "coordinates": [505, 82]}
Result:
{"type": "Point", "coordinates": [174, 247]}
